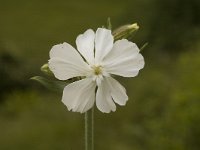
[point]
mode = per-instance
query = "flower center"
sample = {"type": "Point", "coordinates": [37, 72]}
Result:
{"type": "Point", "coordinates": [98, 73]}
{"type": "Point", "coordinates": [97, 70]}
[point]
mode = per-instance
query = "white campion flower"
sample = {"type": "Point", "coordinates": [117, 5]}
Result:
{"type": "Point", "coordinates": [97, 59]}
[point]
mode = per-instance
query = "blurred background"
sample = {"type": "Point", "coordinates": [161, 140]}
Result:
{"type": "Point", "coordinates": [163, 112]}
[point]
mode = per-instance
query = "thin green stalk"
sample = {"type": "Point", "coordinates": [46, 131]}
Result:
{"type": "Point", "coordinates": [89, 129]}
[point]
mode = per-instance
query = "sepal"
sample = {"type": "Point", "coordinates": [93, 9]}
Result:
{"type": "Point", "coordinates": [53, 85]}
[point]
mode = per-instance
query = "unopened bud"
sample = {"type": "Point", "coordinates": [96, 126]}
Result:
{"type": "Point", "coordinates": [45, 69]}
{"type": "Point", "coordinates": [125, 31]}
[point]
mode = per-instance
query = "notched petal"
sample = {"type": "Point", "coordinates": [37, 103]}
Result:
{"type": "Point", "coordinates": [104, 101]}
{"type": "Point", "coordinates": [118, 92]}
{"type": "Point", "coordinates": [79, 96]}
{"type": "Point", "coordinates": [103, 43]}
{"type": "Point", "coordinates": [65, 62]}
{"type": "Point", "coordinates": [124, 59]}
{"type": "Point", "coordinates": [85, 45]}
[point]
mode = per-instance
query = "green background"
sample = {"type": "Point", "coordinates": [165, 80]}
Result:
{"type": "Point", "coordinates": [163, 111]}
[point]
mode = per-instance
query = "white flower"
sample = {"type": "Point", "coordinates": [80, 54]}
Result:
{"type": "Point", "coordinates": [97, 59]}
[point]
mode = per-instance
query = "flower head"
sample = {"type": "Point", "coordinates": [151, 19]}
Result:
{"type": "Point", "coordinates": [97, 59]}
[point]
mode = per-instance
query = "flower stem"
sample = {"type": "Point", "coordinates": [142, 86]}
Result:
{"type": "Point", "coordinates": [89, 129]}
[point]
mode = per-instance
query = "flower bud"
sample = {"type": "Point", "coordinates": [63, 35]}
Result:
{"type": "Point", "coordinates": [45, 69]}
{"type": "Point", "coordinates": [125, 31]}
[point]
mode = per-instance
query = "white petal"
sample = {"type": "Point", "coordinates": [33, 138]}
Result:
{"type": "Point", "coordinates": [79, 96]}
{"type": "Point", "coordinates": [104, 100]}
{"type": "Point", "coordinates": [124, 59]}
{"type": "Point", "coordinates": [118, 92]}
{"type": "Point", "coordinates": [65, 62]}
{"type": "Point", "coordinates": [85, 45]}
{"type": "Point", "coordinates": [103, 43]}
